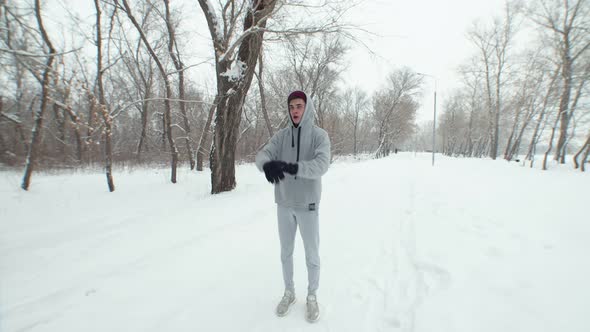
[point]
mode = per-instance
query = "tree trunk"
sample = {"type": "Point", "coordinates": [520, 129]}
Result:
{"type": "Point", "coordinates": [75, 120]}
{"type": "Point", "coordinates": [233, 93]}
{"type": "Point", "coordinates": [470, 150]}
{"type": "Point", "coordinates": [3, 145]}
{"type": "Point", "coordinates": [490, 108]}
{"type": "Point", "coordinates": [512, 138]}
{"type": "Point", "coordinates": [167, 112]}
{"type": "Point", "coordinates": [181, 89]}
{"type": "Point", "coordinates": [222, 156]}
{"type": "Point", "coordinates": [572, 109]}
{"type": "Point", "coordinates": [585, 158]}
{"type": "Point", "coordinates": [89, 140]}
{"type": "Point", "coordinates": [541, 117]}
{"type": "Point", "coordinates": [78, 136]}
{"type": "Point", "coordinates": [263, 96]}
{"type": "Point", "coordinates": [61, 133]}
{"type": "Point", "coordinates": [564, 102]}
{"type": "Point", "coordinates": [550, 143]}
{"type": "Point", "coordinates": [584, 147]}
{"type": "Point", "coordinates": [38, 125]}
{"type": "Point", "coordinates": [104, 110]}
{"type": "Point", "coordinates": [19, 138]}
{"type": "Point", "coordinates": [518, 140]}
{"type": "Point", "coordinates": [354, 134]}
{"type": "Point", "coordinates": [144, 124]}
{"type": "Point", "coordinates": [496, 122]}
{"type": "Point", "coordinates": [203, 141]}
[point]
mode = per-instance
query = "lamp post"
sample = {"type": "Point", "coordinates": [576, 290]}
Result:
{"type": "Point", "coordinates": [434, 116]}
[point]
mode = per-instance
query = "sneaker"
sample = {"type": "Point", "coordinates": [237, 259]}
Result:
{"type": "Point", "coordinates": [312, 313]}
{"type": "Point", "coordinates": [285, 304]}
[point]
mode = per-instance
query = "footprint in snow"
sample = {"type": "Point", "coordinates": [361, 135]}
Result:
{"type": "Point", "coordinates": [434, 277]}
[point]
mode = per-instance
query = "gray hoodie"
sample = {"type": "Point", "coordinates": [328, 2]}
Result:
{"type": "Point", "coordinates": [309, 147]}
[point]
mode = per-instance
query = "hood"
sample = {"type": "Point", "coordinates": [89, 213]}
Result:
{"type": "Point", "coordinates": [308, 119]}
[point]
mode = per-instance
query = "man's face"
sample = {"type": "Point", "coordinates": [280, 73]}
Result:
{"type": "Point", "coordinates": [296, 109]}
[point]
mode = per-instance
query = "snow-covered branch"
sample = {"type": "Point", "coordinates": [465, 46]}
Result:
{"type": "Point", "coordinates": [213, 23]}
{"type": "Point", "coordinates": [34, 55]}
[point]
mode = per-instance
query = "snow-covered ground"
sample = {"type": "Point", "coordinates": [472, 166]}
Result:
{"type": "Point", "coordinates": [468, 245]}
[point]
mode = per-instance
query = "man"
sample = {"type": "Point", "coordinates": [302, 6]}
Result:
{"type": "Point", "coordinates": [294, 161]}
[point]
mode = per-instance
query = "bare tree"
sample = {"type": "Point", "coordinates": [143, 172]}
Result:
{"type": "Point", "coordinates": [395, 109]}
{"type": "Point", "coordinates": [102, 103]}
{"type": "Point", "coordinates": [204, 140]}
{"type": "Point", "coordinates": [582, 79]}
{"type": "Point", "coordinates": [316, 66]}
{"type": "Point", "coordinates": [452, 125]}
{"type": "Point", "coordinates": [235, 61]}
{"type": "Point", "coordinates": [175, 55]}
{"type": "Point", "coordinates": [15, 41]}
{"type": "Point", "coordinates": [140, 70]}
{"type": "Point", "coordinates": [167, 84]}
{"type": "Point", "coordinates": [569, 23]}
{"type": "Point", "coordinates": [40, 113]}
{"type": "Point", "coordinates": [553, 130]}
{"type": "Point", "coordinates": [494, 44]}
{"type": "Point", "coordinates": [485, 46]}
{"type": "Point", "coordinates": [525, 102]}
{"type": "Point", "coordinates": [237, 30]}
{"type": "Point", "coordinates": [475, 136]}
{"type": "Point", "coordinates": [356, 102]}
{"type": "Point", "coordinates": [542, 117]}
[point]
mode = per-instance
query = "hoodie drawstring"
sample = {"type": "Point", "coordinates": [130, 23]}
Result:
{"type": "Point", "coordinates": [292, 139]}
{"type": "Point", "coordinates": [298, 141]}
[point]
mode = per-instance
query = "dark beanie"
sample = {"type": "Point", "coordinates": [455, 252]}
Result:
{"type": "Point", "coordinates": [297, 94]}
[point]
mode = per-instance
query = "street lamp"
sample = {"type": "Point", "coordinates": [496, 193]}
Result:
{"type": "Point", "coordinates": [434, 117]}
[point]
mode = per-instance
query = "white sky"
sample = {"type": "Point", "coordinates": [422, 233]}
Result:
{"type": "Point", "coordinates": [428, 36]}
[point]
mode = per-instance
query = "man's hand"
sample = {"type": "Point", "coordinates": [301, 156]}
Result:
{"type": "Point", "coordinates": [291, 168]}
{"type": "Point", "coordinates": [273, 170]}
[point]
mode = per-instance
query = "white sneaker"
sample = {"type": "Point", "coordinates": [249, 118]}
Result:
{"type": "Point", "coordinates": [285, 304]}
{"type": "Point", "coordinates": [312, 312]}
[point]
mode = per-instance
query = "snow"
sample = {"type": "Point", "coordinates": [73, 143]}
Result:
{"type": "Point", "coordinates": [236, 71]}
{"type": "Point", "coordinates": [218, 31]}
{"type": "Point", "coordinates": [466, 245]}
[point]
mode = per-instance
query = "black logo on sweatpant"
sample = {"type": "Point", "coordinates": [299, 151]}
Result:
{"type": "Point", "coordinates": [312, 207]}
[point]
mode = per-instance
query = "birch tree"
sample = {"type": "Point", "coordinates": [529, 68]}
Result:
{"type": "Point", "coordinates": [493, 44]}
{"type": "Point", "coordinates": [568, 23]}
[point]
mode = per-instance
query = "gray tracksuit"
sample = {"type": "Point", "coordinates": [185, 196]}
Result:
{"type": "Point", "coordinates": [298, 197]}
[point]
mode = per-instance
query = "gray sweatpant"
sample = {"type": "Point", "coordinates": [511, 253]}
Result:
{"type": "Point", "coordinates": [308, 223]}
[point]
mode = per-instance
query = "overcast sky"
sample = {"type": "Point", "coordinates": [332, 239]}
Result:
{"type": "Point", "coordinates": [428, 36]}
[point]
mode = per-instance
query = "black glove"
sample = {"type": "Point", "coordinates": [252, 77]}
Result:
{"type": "Point", "coordinates": [291, 168]}
{"type": "Point", "coordinates": [273, 170]}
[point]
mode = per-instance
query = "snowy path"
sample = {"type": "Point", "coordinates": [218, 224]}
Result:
{"type": "Point", "coordinates": [470, 245]}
